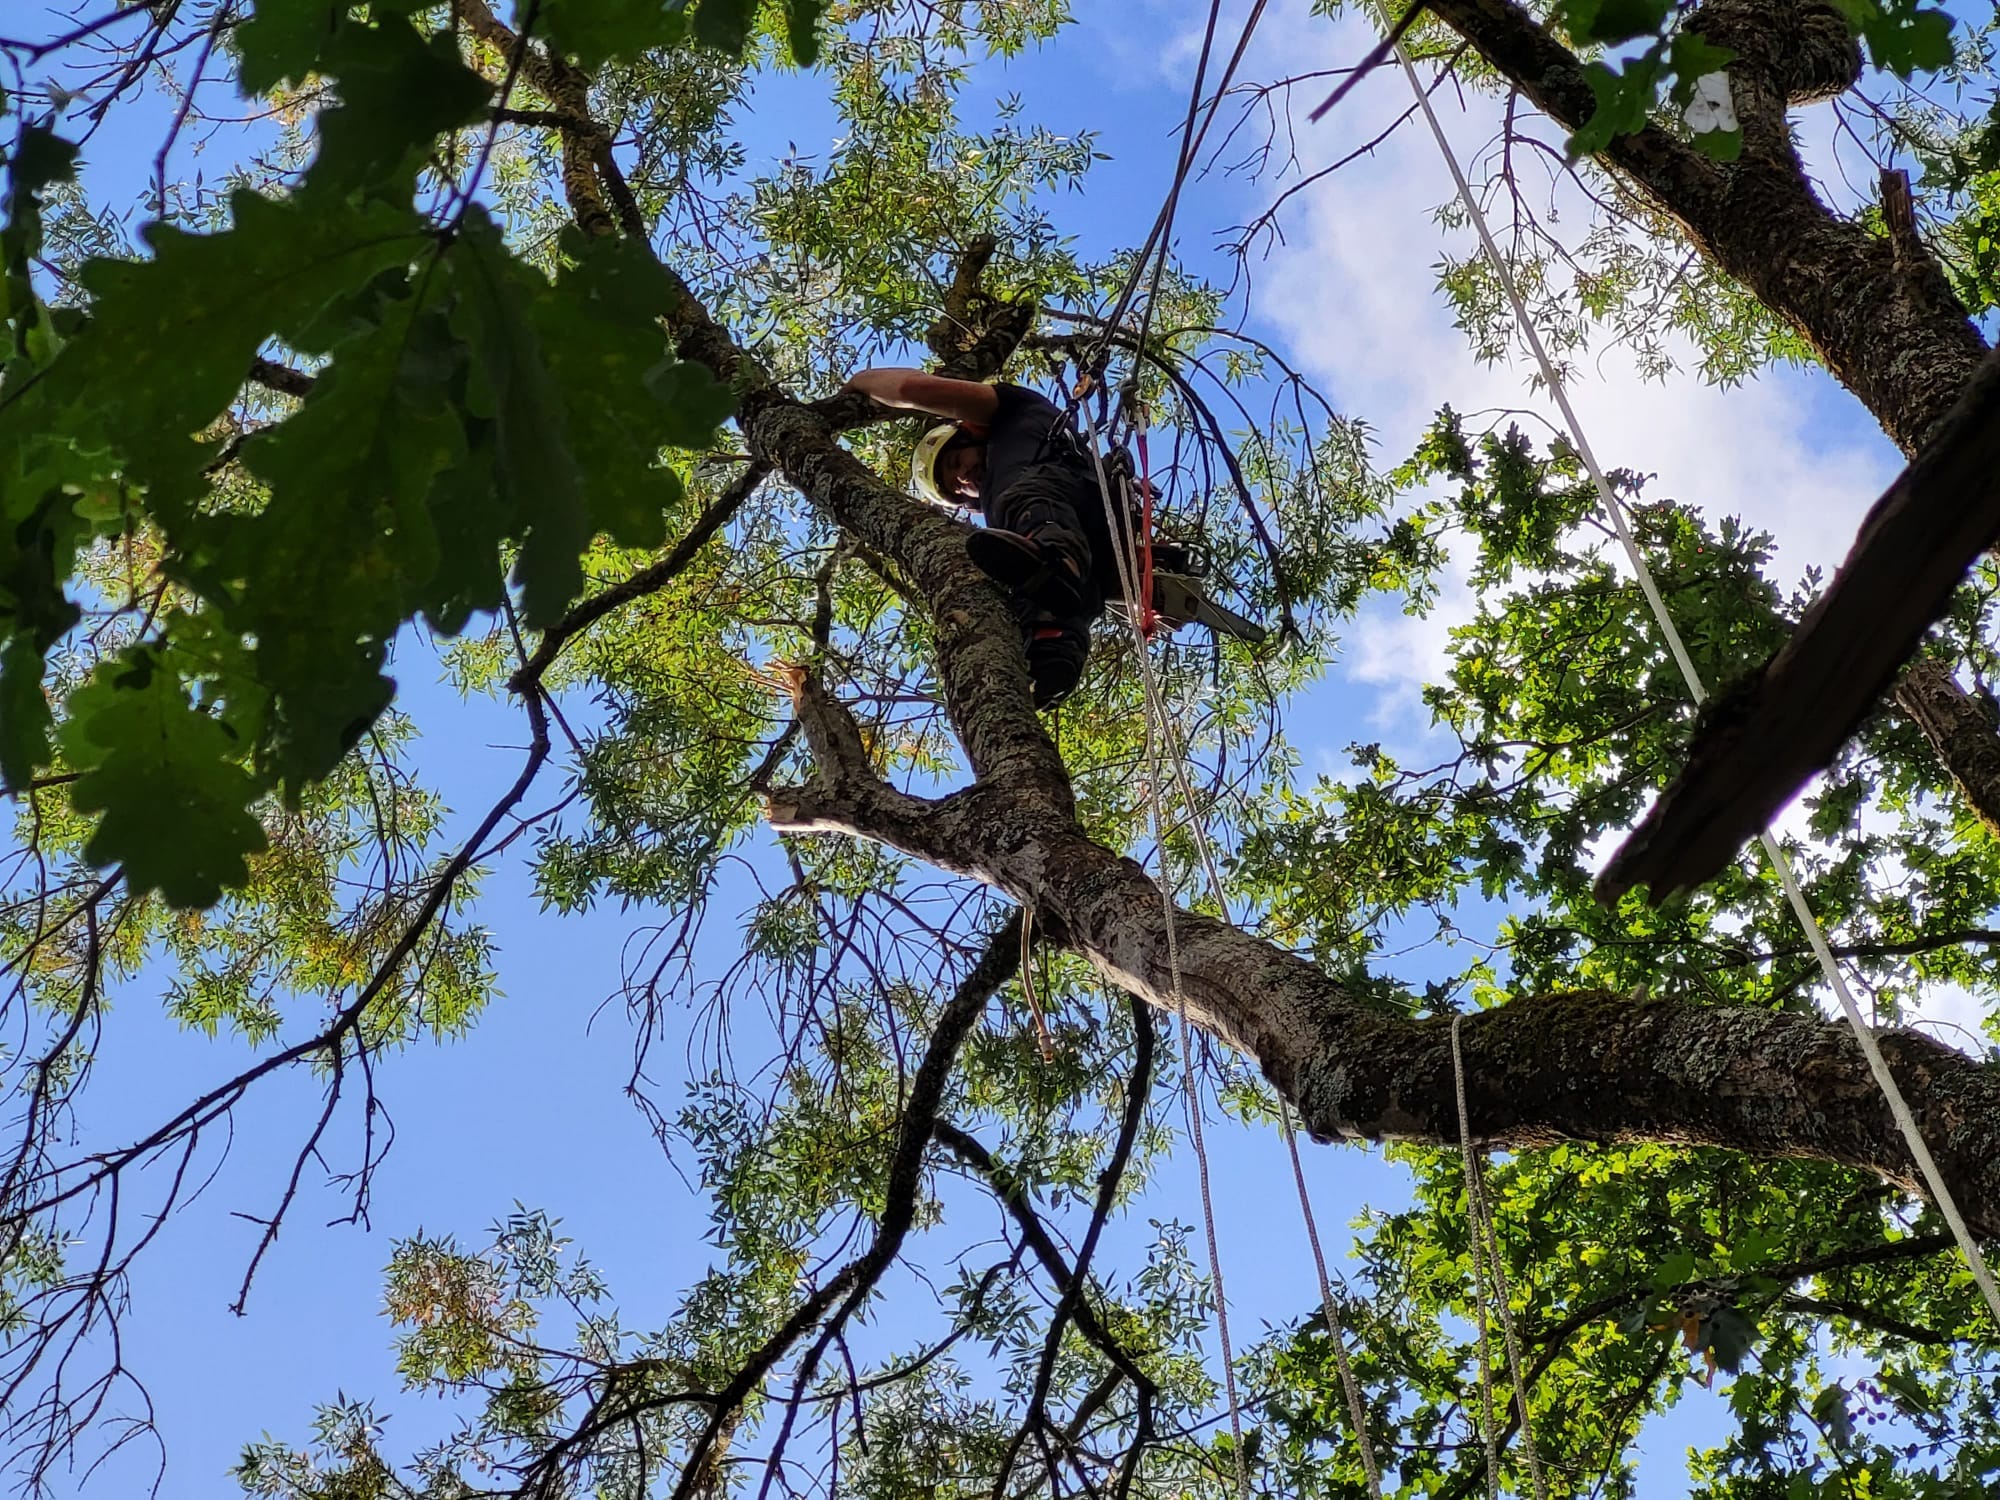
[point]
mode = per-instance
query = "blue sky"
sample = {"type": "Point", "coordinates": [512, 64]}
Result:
{"type": "Point", "coordinates": [530, 1105]}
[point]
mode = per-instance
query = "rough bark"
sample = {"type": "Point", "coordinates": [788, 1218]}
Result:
{"type": "Point", "coordinates": [1899, 340]}
{"type": "Point", "coordinates": [1964, 725]}
{"type": "Point", "coordinates": [977, 332]}
{"type": "Point", "coordinates": [1588, 1066]}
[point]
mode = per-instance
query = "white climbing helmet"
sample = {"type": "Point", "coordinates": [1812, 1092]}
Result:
{"type": "Point", "coordinates": [923, 464]}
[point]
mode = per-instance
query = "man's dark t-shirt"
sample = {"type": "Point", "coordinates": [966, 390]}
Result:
{"type": "Point", "coordinates": [1037, 477]}
{"type": "Point", "coordinates": [1019, 443]}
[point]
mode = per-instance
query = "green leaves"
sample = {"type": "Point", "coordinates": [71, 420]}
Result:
{"type": "Point", "coordinates": [1624, 99]}
{"type": "Point", "coordinates": [165, 776]}
{"type": "Point", "coordinates": [595, 32]}
{"type": "Point", "coordinates": [580, 393]}
{"type": "Point", "coordinates": [1612, 21]}
{"type": "Point", "coordinates": [284, 41]}
{"type": "Point", "coordinates": [25, 717]}
{"type": "Point", "coordinates": [466, 405]}
{"type": "Point", "coordinates": [38, 160]}
{"type": "Point", "coordinates": [1691, 71]}
{"type": "Point", "coordinates": [323, 578]}
{"type": "Point", "coordinates": [623, 396]}
{"type": "Point", "coordinates": [725, 24]}
{"type": "Point", "coordinates": [1902, 37]}
{"type": "Point", "coordinates": [171, 338]}
{"type": "Point", "coordinates": [536, 476]}
{"type": "Point", "coordinates": [398, 92]}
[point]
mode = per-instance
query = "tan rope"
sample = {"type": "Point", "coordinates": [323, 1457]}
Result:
{"type": "Point", "coordinates": [1476, 1240]}
{"type": "Point", "coordinates": [1479, 1212]}
{"type": "Point", "coordinates": [1042, 1038]}
{"type": "Point", "coordinates": [1357, 1410]}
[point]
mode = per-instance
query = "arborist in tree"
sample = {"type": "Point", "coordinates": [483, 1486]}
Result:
{"type": "Point", "coordinates": [1007, 452]}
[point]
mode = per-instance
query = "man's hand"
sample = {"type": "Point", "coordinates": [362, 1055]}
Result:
{"type": "Point", "coordinates": [968, 401]}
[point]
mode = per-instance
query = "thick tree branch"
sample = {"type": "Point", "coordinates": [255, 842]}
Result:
{"type": "Point", "coordinates": [1903, 345]}
{"type": "Point", "coordinates": [846, 795]}
{"type": "Point", "coordinates": [1757, 743]}
{"type": "Point", "coordinates": [1591, 1067]}
{"type": "Point", "coordinates": [1965, 728]}
{"type": "Point", "coordinates": [977, 332]}
{"type": "Point", "coordinates": [1586, 1066]}
{"type": "Point", "coordinates": [1881, 314]}
{"type": "Point", "coordinates": [983, 674]}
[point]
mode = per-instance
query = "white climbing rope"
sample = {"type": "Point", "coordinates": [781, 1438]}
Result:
{"type": "Point", "coordinates": [1153, 722]}
{"type": "Point", "coordinates": [1898, 1106]}
{"type": "Point", "coordinates": [1486, 1247]}
{"type": "Point", "coordinates": [1357, 1411]}
{"type": "Point", "coordinates": [1160, 725]}
{"type": "Point", "coordinates": [1476, 1251]}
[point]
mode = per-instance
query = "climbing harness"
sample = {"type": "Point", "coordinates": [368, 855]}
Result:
{"type": "Point", "coordinates": [1899, 1107]}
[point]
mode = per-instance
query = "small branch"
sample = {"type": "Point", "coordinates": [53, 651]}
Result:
{"type": "Point", "coordinates": [1377, 55]}
{"type": "Point", "coordinates": [846, 795]}
{"type": "Point", "coordinates": [1899, 217]}
{"type": "Point", "coordinates": [648, 580]}
{"type": "Point", "coordinates": [1138, 1092]}
{"type": "Point", "coordinates": [857, 1279]}
{"type": "Point", "coordinates": [968, 1150]}
{"type": "Point", "coordinates": [1867, 1317]}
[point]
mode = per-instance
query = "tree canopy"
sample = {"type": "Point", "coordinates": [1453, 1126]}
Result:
{"type": "Point", "coordinates": [498, 349]}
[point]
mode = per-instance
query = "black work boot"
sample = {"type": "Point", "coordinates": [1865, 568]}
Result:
{"type": "Point", "coordinates": [1050, 567]}
{"type": "Point", "coordinates": [1057, 651]}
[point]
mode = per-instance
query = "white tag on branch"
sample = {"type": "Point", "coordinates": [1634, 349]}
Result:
{"type": "Point", "coordinates": [1712, 107]}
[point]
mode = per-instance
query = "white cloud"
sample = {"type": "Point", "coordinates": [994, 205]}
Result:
{"type": "Point", "coordinates": [1398, 653]}
{"type": "Point", "coordinates": [1352, 292]}
{"type": "Point", "coordinates": [1954, 1015]}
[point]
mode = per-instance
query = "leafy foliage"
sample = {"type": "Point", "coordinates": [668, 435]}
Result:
{"type": "Point", "coordinates": [453, 436]}
{"type": "Point", "coordinates": [1903, 37]}
{"type": "Point", "coordinates": [383, 403]}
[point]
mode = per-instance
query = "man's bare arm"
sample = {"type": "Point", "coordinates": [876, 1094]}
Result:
{"type": "Point", "coordinates": [914, 390]}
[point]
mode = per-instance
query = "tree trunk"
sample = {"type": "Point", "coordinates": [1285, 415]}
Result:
{"type": "Point", "coordinates": [1962, 725]}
